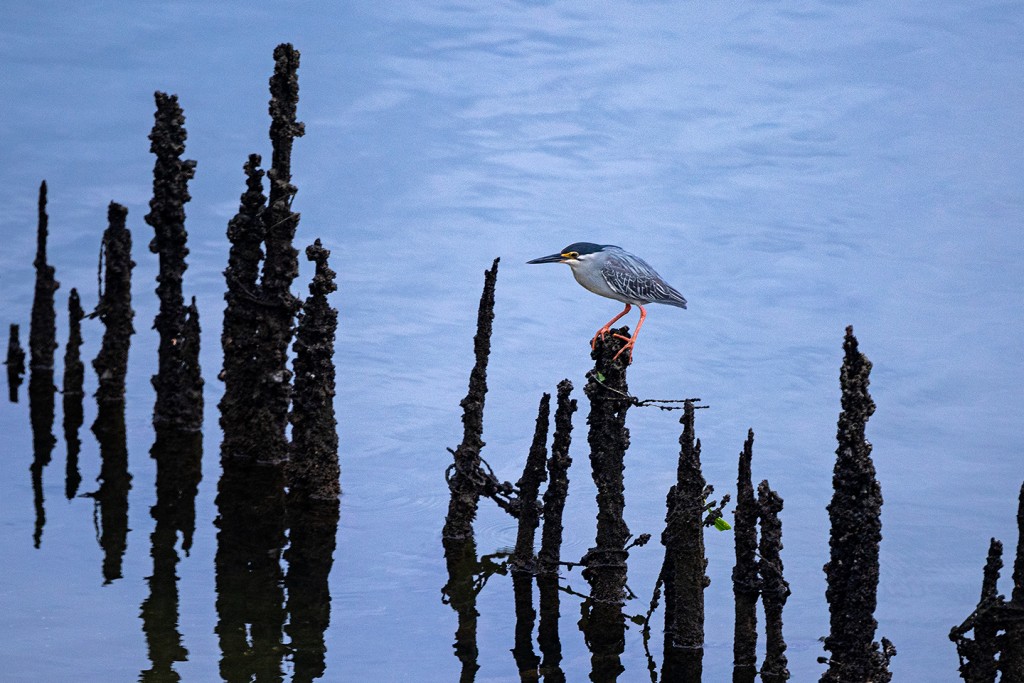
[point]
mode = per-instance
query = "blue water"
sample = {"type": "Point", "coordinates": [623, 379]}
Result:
{"type": "Point", "coordinates": [790, 167]}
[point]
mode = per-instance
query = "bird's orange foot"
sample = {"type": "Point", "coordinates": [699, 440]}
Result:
{"type": "Point", "coordinates": [630, 343]}
{"type": "Point", "coordinates": [600, 333]}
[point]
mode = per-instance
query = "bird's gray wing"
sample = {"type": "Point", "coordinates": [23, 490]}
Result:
{"type": "Point", "coordinates": [632, 277]}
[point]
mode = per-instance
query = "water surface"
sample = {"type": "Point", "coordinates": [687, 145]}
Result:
{"type": "Point", "coordinates": [790, 167]}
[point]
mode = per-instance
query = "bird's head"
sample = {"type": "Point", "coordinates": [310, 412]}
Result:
{"type": "Point", "coordinates": [573, 255]}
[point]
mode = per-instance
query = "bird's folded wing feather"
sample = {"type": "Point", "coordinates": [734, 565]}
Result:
{"type": "Point", "coordinates": [633, 277]}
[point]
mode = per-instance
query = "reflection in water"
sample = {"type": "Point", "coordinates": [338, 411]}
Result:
{"type": "Point", "coordinates": [251, 601]}
{"type": "Point", "coordinates": [547, 630]}
{"type": "Point", "coordinates": [310, 555]}
{"type": "Point", "coordinates": [15, 363]}
{"type": "Point", "coordinates": [73, 419]}
{"type": "Point", "coordinates": [460, 592]}
{"type": "Point", "coordinates": [602, 623]}
{"type": "Point", "coordinates": [178, 458]}
{"type": "Point", "coordinates": [111, 499]}
{"type": "Point", "coordinates": [527, 661]}
{"type": "Point", "coordinates": [466, 578]}
{"type": "Point", "coordinates": [74, 378]}
{"type": "Point", "coordinates": [249, 580]}
{"type": "Point", "coordinates": [604, 628]}
{"type": "Point", "coordinates": [41, 405]}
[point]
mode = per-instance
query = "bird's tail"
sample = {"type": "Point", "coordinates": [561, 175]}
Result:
{"type": "Point", "coordinates": [673, 298]}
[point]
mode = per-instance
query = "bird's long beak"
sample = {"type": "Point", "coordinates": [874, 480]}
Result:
{"type": "Point", "coordinates": [554, 258]}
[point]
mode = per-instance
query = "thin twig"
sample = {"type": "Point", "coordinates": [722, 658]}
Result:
{"type": "Point", "coordinates": [643, 403]}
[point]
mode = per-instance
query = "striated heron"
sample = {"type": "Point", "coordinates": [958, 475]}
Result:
{"type": "Point", "coordinates": [615, 273]}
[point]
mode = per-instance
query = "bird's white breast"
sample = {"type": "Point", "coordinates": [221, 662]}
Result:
{"type": "Point", "coordinates": [591, 278]}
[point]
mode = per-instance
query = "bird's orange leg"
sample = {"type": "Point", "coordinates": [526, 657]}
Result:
{"type": "Point", "coordinates": [630, 341]}
{"type": "Point", "coordinates": [604, 330]}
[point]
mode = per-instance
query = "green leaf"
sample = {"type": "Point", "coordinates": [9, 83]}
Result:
{"type": "Point", "coordinates": [722, 525]}
{"type": "Point", "coordinates": [600, 377]}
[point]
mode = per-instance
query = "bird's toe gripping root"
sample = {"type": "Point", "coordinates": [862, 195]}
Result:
{"type": "Point", "coordinates": [630, 343]}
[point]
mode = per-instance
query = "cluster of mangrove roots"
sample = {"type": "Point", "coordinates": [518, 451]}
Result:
{"type": "Point", "coordinates": [178, 382]}
{"type": "Point", "coordinates": [257, 518]}
{"type": "Point", "coordinates": [274, 489]}
{"type": "Point", "coordinates": [281, 489]}
{"type": "Point", "coordinates": [852, 572]}
{"type": "Point", "coordinates": [42, 343]}
{"type": "Point", "coordinates": [997, 623]}
{"type": "Point", "coordinates": [757, 575]}
{"type": "Point", "coordinates": [856, 516]}
{"type": "Point", "coordinates": [114, 308]}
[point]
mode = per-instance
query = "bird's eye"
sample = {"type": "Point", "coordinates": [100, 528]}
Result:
{"type": "Point", "coordinates": [573, 254]}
